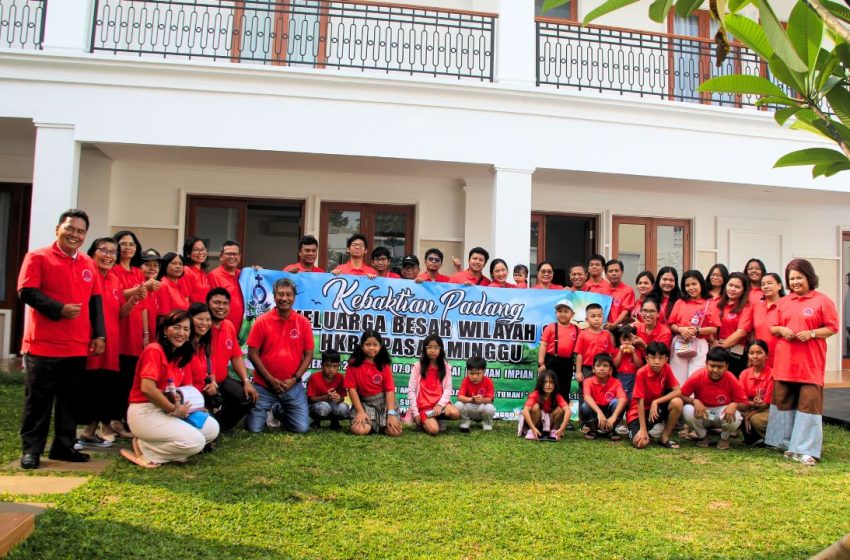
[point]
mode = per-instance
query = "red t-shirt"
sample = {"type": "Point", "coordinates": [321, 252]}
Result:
{"type": "Point", "coordinates": [590, 344]}
{"type": "Point", "coordinates": [131, 326]}
{"type": "Point", "coordinates": [495, 284]}
{"type": "Point", "coordinates": [66, 280]}
{"type": "Point", "coordinates": [567, 337]}
{"type": "Point", "coordinates": [601, 287]}
{"type": "Point", "coordinates": [731, 321]}
{"type": "Point", "coordinates": [485, 388]}
{"type": "Point", "coordinates": [534, 398]}
{"type": "Point", "coordinates": [661, 333]}
{"type": "Point", "coordinates": [552, 286]}
{"type": "Point", "coordinates": [151, 304]}
{"type": "Point", "coordinates": [623, 298]}
{"type": "Point", "coordinates": [714, 393]}
{"type": "Point", "coordinates": [752, 384]}
{"type": "Point", "coordinates": [627, 363]}
{"type": "Point", "coordinates": [766, 315]}
{"type": "Point", "coordinates": [522, 285]}
{"type": "Point", "coordinates": [466, 276]}
{"type": "Point", "coordinates": [635, 312]}
{"type": "Point", "coordinates": [318, 386]}
{"type": "Point", "coordinates": [430, 390]}
{"type": "Point", "coordinates": [803, 362]}
{"type": "Point", "coordinates": [197, 370]}
{"type": "Point", "coordinates": [684, 311]}
{"type": "Point", "coordinates": [368, 380]}
{"type": "Point", "coordinates": [281, 343]}
{"type": "Point", "coordinates": [300, 268]}
{"type": "Point", "coordinates": [170, 297]}
{"type": "Point", "coordinates": [220, 278]}
{"type": "Point", "coordinates": [603, 394]}
{"type": "Point", "coordinates": [363, 270]}
{"type": "Point", "coordinates": [225, 347]}
{"type": "Point", "coordinates": [194, 284]}
{"type": "Point", "coordinates": [113, 299]}
{"type": "Point", "coordinates": [662, 310]}
{"type": "Point", "coordinates": [388, 274]}
{"type": "Point", "coordinates": [650, 386]}
{"type": "Point", "coordinates": [153, 365]}
{"type": "Point", "coordinates": [756, 295]}
{"type": "Point", "coordinates": [440, 277]}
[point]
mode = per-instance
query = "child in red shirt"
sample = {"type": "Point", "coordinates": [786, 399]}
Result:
{"type": "Point", "coordinates": [371, 388]}
{"type": "Point", "coordinates": [604, 400]}
{"type": "Point", "coordinates": [326, 391]}
{"type": "Point", "coordinates": [475, 397]}
{"type": "Point", "coordinates": [628, 358]}
{"type": "Point", "coordinates": [521, 276]}
{"type": "Point", "coordinates": [655, 406]}
{"type": "Point", "coordinates": [557, 347]}
{"type": "Point", "coordinates": [429, 388]}
{"type": "Point", "coordinates": [543, 410]}
{"type": "Point", "coordinates": [592, 341]}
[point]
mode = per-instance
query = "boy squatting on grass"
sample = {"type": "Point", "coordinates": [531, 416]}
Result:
{"type": "Point", "coordinates": [326, 392]}
{"type": "Point", "coordinates": [475, 396]}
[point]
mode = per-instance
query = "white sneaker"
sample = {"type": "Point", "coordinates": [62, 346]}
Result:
{"type": "Point", "coordinates": [657, 430]}
{"type": "Point", "coordinates": [271, 421]}
{"type": "Point", "coordinates": [464, 426]}
{"type": "Point", "coordinates": [622, 430]}
{"type": "Point", "coordinates": [487, 426]}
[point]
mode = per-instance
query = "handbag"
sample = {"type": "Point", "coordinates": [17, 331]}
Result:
{"type": "Point", "coordinates": [685, 348]}
{"type": "Point", "coordinates": [737, 351]}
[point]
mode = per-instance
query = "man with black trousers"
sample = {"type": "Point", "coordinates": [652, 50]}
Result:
{"type": "Point", "coordinates": [64, 325]}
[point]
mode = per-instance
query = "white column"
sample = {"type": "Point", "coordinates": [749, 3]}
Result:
{"type": "Point", "coordinates": [67, 26]}
{"type": "Point", "coordinates": [477, 219]}
{"type": "Point", "coordinates": [54, 179]}
{"type": "Point", "coordinates": [515, 43]}
{"type": "Point", "coordinates": [511, 215]}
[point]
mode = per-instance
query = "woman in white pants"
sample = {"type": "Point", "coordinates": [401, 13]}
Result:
{"type": "Point", "coordinates": [693, 320]}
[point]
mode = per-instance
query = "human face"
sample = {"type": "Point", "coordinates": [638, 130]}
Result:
{"type": "Point", "coordinates": [477, 262]}
{"type": "Point", "coordinates": [357, 249]}
{"type": "Point", "coordinates": [371, 347]}
{"type": "Point", "coordinates": [520, 277]}
{"type": "Point", "coordinates": [715, 279]}
{"type": "Point", "coordinates": [667, 283]}
{"type": "Point", "coordinates": [578, 277]}
{"type": "Point", "coordinates": [594, 268]}
{"type": "Point", "coordinates": [432, 350]}
{"type": "Point", "coordinates": [104, 256]}
{"type": "Point", "coordinates": [594, 318]}
{"type": "Point", "coordinates": [564, 315]}
{"type": "Point", "coordinates": [475, 375]}
{"type": "Point", "coordinates": [716, 369]}
{"type": "Point", "coordinates": [656, 362]}
{"type": "Point", "coordinates": [410, 272]}
{"type": "Point", "coordinates": [199, 252]}
{"type": "Point", "coordinates": [548, 386]}
{"type": "Point", "coordinates": [433, 262]}
{"type": "Point", "coordinates": [178, 333]}
{"type": "Point", "coordinates": [734, 289]}
{"type": "Point", "coordinates": [230, 257]}
{"type": "Point", "coordinates": [70, 235]}
{"type": "Point", "coordinates": [649, 312]}
{"type": "Point", "coordinates": [692, 288]}
{"type": "Point", "coordinates": [644, 286]}
{"type": "Point", "coordinates": [150, 268]}
{"type": "Point", "coordinates": [219, 307]}
{"type": "Point", "coordinates": [754, 272]}
{"type": "Point", "coordinates": [201, 324]}
{"type": "Point", "coordinates": [127, 248]}
{"type": "Point", "coordinates": [770, 287]}
{"type": "Point", "coordinates": [757, 356]}
{"type": "Point", "coordinates": [602, 371]}
{"type": "Point", "coordinates": [798, 283]}
{"type": "Point", "coordinates": [308, 254]}
{"type": "Point", "coordinates": [614, 274]}
{"type": "Point", "coordinates": [284, 297]}
{"type": "Point", "coordinates": [545, 274]}
{"type": "Point", "coordinates": [174, 269]}
{"type": "Point", "coordinates": [500, 273]}
{"type": "Point", "coordinates": [381, 264]}
{"type": "Point", "coordinates": [330, 369]}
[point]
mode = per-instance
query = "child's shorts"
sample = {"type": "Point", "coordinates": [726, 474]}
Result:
{"type": "Point", "coordinates": [634, 425]}
{"type": "Point", "coordinates": [375, 407]}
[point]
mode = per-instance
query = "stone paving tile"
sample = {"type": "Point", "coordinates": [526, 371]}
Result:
{"type": "Point", "coordinates": [95, 465]}
{"type": "Point", "coordinates": [40, 484]}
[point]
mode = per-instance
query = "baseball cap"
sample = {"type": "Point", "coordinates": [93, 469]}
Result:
{"type": "Point", "coordinates": [151, 255]}
{"type": "Point", "coordinates": [563, 303]}
{"type": "Point", "coordinates": [410, 260]}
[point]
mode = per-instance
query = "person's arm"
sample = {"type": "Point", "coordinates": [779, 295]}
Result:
{"type": "Point", "coordinates": [393, 421]}
{"type": "Point", "coordinates": [146, 335]}
{"type": "Point", "coordinates": [636, 359]}
{"type": "Point", "coordinates": [541, 357]}
{"type": "Point", "coordinates": [577, 366]}
{"type": "Point", "coordinates": [48, 307]}
{"type": "Point", "coordinates": [155, 396]}
{"type": "Point", "coordinates": [412, 390]}
{"type": "Point", "coordinates": [618, 358]}
{"type": "Point", "coordinates": [446, 398]}
{"type": "Point", "coordinates": [259, 367]}
{"type": "Point", "coordinates": [642, 437]}
{"type": "Point", "coordinates": [618, 411]}
{"type": "Point", "coordinates": [526, 415]}
{"type": "Point", "coordinates": [306, 359]}
{"type": "Point", "coordinates": [238, 365]}
{"type": "Point", "coordinates": [98, 327]}
{"type": "Point", "coordinates": [360, 416]}
{"type": "Point", "coordinates": [588, 400]}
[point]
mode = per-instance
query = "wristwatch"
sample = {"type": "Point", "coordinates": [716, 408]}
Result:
{"type": "Point", "coordinates": [813, 334]}
{"type": "Point", "coordinates": [392, 412]}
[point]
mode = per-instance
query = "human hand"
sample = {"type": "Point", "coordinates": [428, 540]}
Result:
{"type": "Point", "coordinates": [71, 310]}
{"type": "Point", "coordinates": [653, 411]}
{"type": "Point", "coordinates": [250, 392]}
{"type": "Point", "coordinates": [210, 388]}
{"type": "Point", "coordinates": [699, 409]}
{"type": "Point", "coordinates": [360, 418]}
{"type": "Point", "coordinates": [97, 346]}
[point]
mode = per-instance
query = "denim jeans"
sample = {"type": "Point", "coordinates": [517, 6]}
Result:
{"type": "Point", "coordinates": [290, 407]}
{"type": "Point", "coordinates": [588, 416]}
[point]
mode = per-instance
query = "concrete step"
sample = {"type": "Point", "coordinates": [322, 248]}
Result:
{"type": "Point", "coordinates": [14, 528]}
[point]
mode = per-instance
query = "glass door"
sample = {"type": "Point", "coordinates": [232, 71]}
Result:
{"type": "Point", "coordinates": [384, 225]}
{"type": "Point", "coordinates": [651, 243]}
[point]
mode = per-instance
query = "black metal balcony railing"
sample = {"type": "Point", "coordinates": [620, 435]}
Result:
{"type": "Point", "coordinates": [314, 33]}
{"type": "Point", "coordinates": [638, 63]}
{"type": "Point", "coordinates": [21, 24]}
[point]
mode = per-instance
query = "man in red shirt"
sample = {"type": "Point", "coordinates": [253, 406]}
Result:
{"type": "Point", "coordinates": [237, 397]}
{"type": "Point", "coordinates": [281, 348]}
{"type": "Point", "coordinates": [227, 276]}
{"type": "Point", "coordinates": [713, 399]}
{"type": "Point", "coordinates": [433, 262]}
{"type": "Point", "coordinates": [381, 263]}
{"type": "Point", "coordinates": [410, 267]}
{"type": "Point", "coordinates": [595, 282]}
{"type": "Point", "coordinates": [623, 295]}
{"type": "Point", "coordinates": [308, 252]}
{"type": "Point", "coordinates": [356, 248]}
{"type": "Point", "coordinates": [64, 326]}
{"type": "Point", "coordinates": [473, 275]}
{"type": "Point", "coordinates": [578, 278]}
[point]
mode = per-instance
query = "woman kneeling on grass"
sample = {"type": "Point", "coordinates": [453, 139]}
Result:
{"type": "Point", "coordinates": [430, 388]}
{"type": "Point", "coordinates": [544, 409]}
{"type": "Point", "coordinates": [371, 388]}
{"type": "Point", "coordinates": [161, 434]}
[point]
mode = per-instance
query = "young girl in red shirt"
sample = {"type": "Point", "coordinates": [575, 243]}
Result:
{"type": "Point", "coordinates": [430, 388]}
{"type": "Point", "coordinates": [544, 409]}
{"type": "Point", "coordinates": [371, 388]}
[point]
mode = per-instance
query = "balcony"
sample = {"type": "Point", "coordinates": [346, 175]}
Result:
{"type": "Point", "coordinates": [360, 36]}
{"type": "Point", "coordinates": [22, 24]}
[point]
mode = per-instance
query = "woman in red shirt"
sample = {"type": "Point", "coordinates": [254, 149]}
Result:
{"type": "Point", "coordinates": [170, 295]}
{"type": "Point", "coordinates": [545, 274]}
{"type": "Point", "coordinates": [666, 292]}
{"type": "Point", "coordinates": [194, 282]}
{"type": "Point", "coordinates": [766, 312]}
{"type": "Point", "coordinates": [736, 320]}
{"type": "Point", "coordinates": [717, 277]}
{"type": "Point", "coordinates": [757, 382]}
{"type": "Point", "coordinates": [499, 274]}
{"type": "Point", "coordinates": [161, 434]}
{"type": "Point", "coordinates": [643, 284]}
{"type": "Point", "coordinates": [650, 330]}
{"type": "Point", "coordinates": [806, 319]}
{"type": "Point", "coordinates": [694, 320]}
{"type": "Point", "coordinates": [755, 271]}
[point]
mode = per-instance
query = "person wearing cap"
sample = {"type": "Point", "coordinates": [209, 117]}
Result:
{"type": "Point", "coordinates": [410, 267]}
{"type": "Point", "coordinates": [473, 275]}
{"type": "Point", "coordinates": [356, 246]}
{"type": "Point", "coordinates": [557, 344]}
{"type": "Point", "coordinates": [433, 262]}
{"type": "Point", "coordinates": [308, 252]}
{"type": "Point", "coordinates": [381, 263]}
{"type": "Point", "coordinates": [150, 306]}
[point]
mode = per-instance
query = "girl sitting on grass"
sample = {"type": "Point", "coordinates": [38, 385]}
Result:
{"type": "Point", "coordinates": [370, 385]}
{"type": "Point", "coordinates": [544, 410]}
{"type": "Point", "coordinates": [430, 388]}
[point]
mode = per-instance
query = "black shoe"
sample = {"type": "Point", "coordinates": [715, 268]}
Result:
{"type": "Point", "coordinates": [335, 426]}
{"type": "Point", "coordinates": [71, 456]}
{"type": "Point", "coordinates": [464, 429]}
{"type": "Point", "coordinates": [30, 461]}
{"type": "Point", "coordinates": [315, 424]}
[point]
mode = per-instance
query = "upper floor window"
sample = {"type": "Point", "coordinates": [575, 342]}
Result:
{"type": "Point", "coordinates": [568, 11]}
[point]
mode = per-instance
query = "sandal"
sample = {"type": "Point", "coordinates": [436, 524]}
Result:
{"type": "Point", "coordinates": [669, 444]}
{"type": "Point", "coordinates": [140, 461]}
{"type": "Point", "coordinates": [723, 444]}
{"type": "Point", "coordinates": [120, 430]}
{"type": "Point", "coordinates": [806, 460]}
{"type": "Point", "coordinates": [702, 443]}
{"type": "Point", "coordinates": [590, 435]}
{"type": "Point", "coordinates": [613, 436]}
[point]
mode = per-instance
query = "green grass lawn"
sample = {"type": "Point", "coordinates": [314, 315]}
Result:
{"type": "Point", "coordinates": [331, 495]}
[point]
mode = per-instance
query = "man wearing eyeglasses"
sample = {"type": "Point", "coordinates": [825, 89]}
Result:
{"type": "Point", "coordinates": [64, 326]}
{"type": "Point", "coordinates": [356, 249]}
{"type": "Point", "coordinates": [227, 276]}
{"type": "Point", "coordinates": [433, 262]}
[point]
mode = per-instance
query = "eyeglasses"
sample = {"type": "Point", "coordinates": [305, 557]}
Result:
{"type": "Point", "coordinates": [358, 245]}
{"type": "Point", "coordinates": [544, 272]}
{"type": "Point", "coordinates": [434, 259]}
{"type": "Point", "coordinates": [126, 244]}
{"type": "Point", "coordinates": [649, 311]}
{"type": "Point", "coordinates": [106, 252]}
{"type": "Point", "coordinates": [201, 250]}
{"type": "Point", "coordinates": [229, 254]}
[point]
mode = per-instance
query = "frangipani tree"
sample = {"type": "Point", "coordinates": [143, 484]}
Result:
{"type": "Point", "coordinates": [810, 56]}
